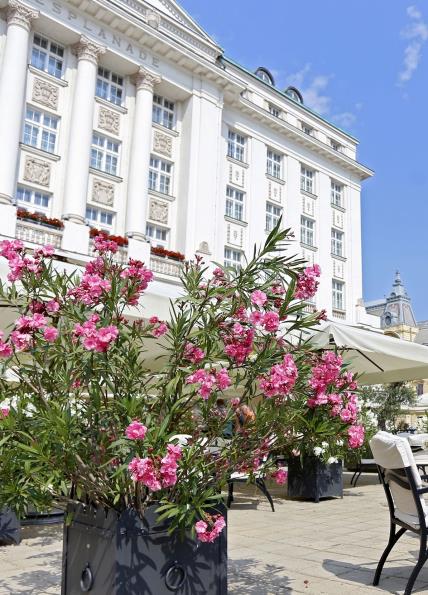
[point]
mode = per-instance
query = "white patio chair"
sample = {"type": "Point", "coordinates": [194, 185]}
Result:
{"type": "Point", "coordinates": [404, 492]}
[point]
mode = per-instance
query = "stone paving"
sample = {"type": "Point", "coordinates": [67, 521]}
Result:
{"type": "Point", "coordinates": [327, 548]}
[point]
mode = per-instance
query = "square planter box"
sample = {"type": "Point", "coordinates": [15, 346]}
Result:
{"type": "Point", "coordinates": [10, 528]}
{"type": "Point", "coordinates": [315, 479]}
{"type": "Point", "coordinates": [106, 553]}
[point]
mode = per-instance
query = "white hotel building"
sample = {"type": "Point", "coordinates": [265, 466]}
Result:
{"type": "Point", "coordinates": [125, 115]}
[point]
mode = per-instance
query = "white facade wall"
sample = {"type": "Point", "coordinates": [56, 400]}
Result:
{"type": "Point", "coordinates": [157, 49]}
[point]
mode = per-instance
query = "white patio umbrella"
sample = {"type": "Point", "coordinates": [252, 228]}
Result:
{"type": "Point", "coordinates": [377, 357]}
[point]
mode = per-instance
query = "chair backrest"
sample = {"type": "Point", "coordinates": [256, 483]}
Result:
{"type": "Point", "coordinates": [400, 474]}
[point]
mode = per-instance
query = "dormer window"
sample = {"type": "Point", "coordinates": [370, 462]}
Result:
{"type": "Point", "coordinates": [264, 75]}
{"type": "Point", "coordinates": [294, 94]}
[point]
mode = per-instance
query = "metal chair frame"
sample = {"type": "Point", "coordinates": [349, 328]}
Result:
{"type": "Point", "coordinates": [259, 483]}
{"type": "Point", "coordinates": [392, 475]}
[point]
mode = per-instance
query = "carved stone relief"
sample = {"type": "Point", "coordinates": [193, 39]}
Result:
{"type": "Point", "coordinates": [308, 206]}
{"type": "Point", "coordinates": [45, 93]}
{"type": "Point", "coordinates": [162, 143]}
{"type": "Point", "coordinates": [337, 218]}
{"type": "Point", "coordinates": [153, 19]}
{"type": "Point", "coordinates": [158, 211]}
{"type": "Point", "coordinates": [103, 193]}
{"type": "Point", "coordinates": [204, 248]}
{"type": "Point", "coordinates": [108, 120]}
{"type": "Point", "coordinates": [36, 170]}
{"type": "Point", "coordinates": [236, 175]}
{"type": "Point", "coordinates": [235, 235]}
{"type": "Point", "coordinates": [274, 191]}
{"type": "Point", "coordinates": [338, 269]}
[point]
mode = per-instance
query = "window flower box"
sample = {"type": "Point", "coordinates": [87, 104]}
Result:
{"type": "Point", "coordinates": [39, 219]}
{"type": "Point", "coordinates": [163, 252]}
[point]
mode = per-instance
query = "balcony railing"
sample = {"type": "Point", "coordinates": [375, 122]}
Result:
{"type": "Point", "coordinates": [38, 234]}
{"type": "Point", "coordinates": [340, 314]}
{"type": "Point", "coordinates": [309, 308]}
{"type": "Point", "coordinates": [165, 266]}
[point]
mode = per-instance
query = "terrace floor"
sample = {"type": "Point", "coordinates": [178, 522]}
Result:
{"type": "Point", "coordinates": [327, 548]}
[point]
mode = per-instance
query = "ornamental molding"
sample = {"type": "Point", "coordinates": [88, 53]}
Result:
{"type": "Point", "coordinates": [103, 193]}
{"type": "Point", "coordinates": [145, 79]}
{"type": "Point", "coordinates": [38, 171]}
{"type": "Point", "coordinates": [158, 211]}
{"type": "Point", "coordinates": [86, 49]}
{"type": "Point", "coordinates": [162, 143]}
{"type": "Point", "coordinates": [108, 120]}
{"type": "Point", "coordinates": [20, 14]}
{"type": "Point", "coordinates": [45, 93]}
{"type": "Point", "coordinates": [204, 248]}
{"type": "Point", "coordinates": [153, 19]}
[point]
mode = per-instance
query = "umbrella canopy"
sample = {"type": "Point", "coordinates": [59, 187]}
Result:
{"type": "Point", "coordinates": [377, 357]}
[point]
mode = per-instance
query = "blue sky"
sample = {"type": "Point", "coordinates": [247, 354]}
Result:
{"type": "Point", "coordinates": [362, 64]}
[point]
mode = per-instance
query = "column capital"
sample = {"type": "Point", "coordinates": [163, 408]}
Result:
{"type": "Point", "coordinates": [20, 14]}
{"type": "Point", "coordinates": [86, 49]}
{"type": "Point", "coordinates": [145, 79]}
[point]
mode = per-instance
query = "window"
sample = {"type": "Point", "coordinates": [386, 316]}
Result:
{"type": "Point", "coordinates": [234, 203]}
{"type": "Point", "coordinates": [159, 235]}
{"type": "Point", "coordinates": [307, 179]}
{"type": "Point", "coordinates": [236, 146]}
{"type": "Point", "coordinates": [307, 129]}
{"type": "Point", "coordinates": [273, 213]}
{"type": "Point", "coordinates": [109, 86]}
{"type": "Point", "coordinates": [274, 111]}
{"type": "Point", "coordinates": [338, 295]}
{"type": "Point", "coordinates": [100, 217]}
{"type": "Point", "coordinates": [232, 258]}
{"type": "Point", "coordinates": [335, 145]}
{"type": "Point", "coordinates": [163, 111]}
{"type": "Point", "coordinates": [160, 175]}
{"type": "Point", "coordinates": [32, 198]}
{"type": "Point", "coordinates": [264, 75]}
{"type": "Point", "coordinates": [104, 154]}
{"type": "Point", "coordinates": [307, 231]}
{"type": "Point", "coordinates": [336, 194]}
{"type": "Point", "coordinates": [273, 165]}
{"type": "Point", "coordinates": [337, 242]}
{"type": "Point", "coordinates": [420, 389]}
{"type": "Point", "coordinates": [40, 130]}
{"type": "Point", "coordinates": [47, 55]}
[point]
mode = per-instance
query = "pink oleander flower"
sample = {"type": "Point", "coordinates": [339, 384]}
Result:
{"type": "Point", "coordinates": [103, 245]}
{"type": "Point", "coordinates": [209, 533]}
{"type": "Point", "coordinates": [52, 306]}
{"type": "Point", "coordinates": [50, 334]}
{"type": "Point", "coordinates": [277, 289]}
{"type": "Point", "coordinates": [235, 402]}
{"type": "Point", "coordinates": [160, 330]}
{"type": "Point", "coordinates": [5, 349]}
{"type": "Point", "coordinates": [47, 250]}
{"type": "Point", "coordinates": [271, 322]}
{"type": "Point", "coordinates": [223, 380]}
{"type": "Point", "coordinates": [139, 276]}
{"type": "Point", "coordinates": [136, 431]}
{"type": "Point", "coordinates": [326, 372]}
{"type": "Point", "coordinates": [90, 290]}
{"type": "Point", "coordinates": [307, 283]}
{"type": "Point", "coordinates": [280, 475]}
{"type": "Point", "coordinates": [356, 436]}
{"type": "Point", "coordinates": [94, 339]}
{"type": "Point", "coordinates": [169, 466]}
{"type": "Point", "coordinates": [256, 317]}
{"type": "Point", "coordinates": [346, 415]}
{"type": "Point", "coordinates": [193, 353]}
{"type": "Point", "coordinates": [154, 320]}
{"type": "Point", "coordinates": [21, 341]}
{"type": "Point", "coordinates": [238, 343]}
{"type": "Point", "coordinates": [209, 381]}
{"type": "Point", "coordinates": [144, 471]}
{"type": "Point", "coordinates": [281, 378]}
{"type": "Point", "coordinates": [4, 411]}
{"type": "Point", "coordinates": [258, 298]}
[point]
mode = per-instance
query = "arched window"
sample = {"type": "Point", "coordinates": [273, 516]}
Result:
{"type": "Point", "coordinates": [294, 94]}
{"type": "Point", "coordinates": [264, 75]}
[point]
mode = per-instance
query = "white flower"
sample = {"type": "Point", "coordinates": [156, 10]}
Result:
{"type": "Point", "coordinates": [331, 460]}
{"type": "Point", "coordinates": [318, 451]}
{"type": "Point", "coordinates": [339, 443]}
{"type": "Point", "coordinates": [324, 444]}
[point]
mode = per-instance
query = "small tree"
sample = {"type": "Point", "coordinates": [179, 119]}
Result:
{"type": "Point", "coordinates": [387, 401]}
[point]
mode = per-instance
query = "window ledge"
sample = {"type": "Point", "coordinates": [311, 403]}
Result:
{"type": "Point", "coordinates": [46, 75]}
{"type": "Point", "coordinates": [339, 208]}
{"type": "Point", "coordinates": [306, 193]}
{"type": "Point", "coordinates": [237, 162]}
{"type": "Point", "coordinates": [161, 195]}
{"type": "Point", "coordinates": [111, 105]}
{"type": "Point", "coordinates": [313, 248]}
{"type": "Point", "coordinates": [40, 152]}
{"type": "Point", "coordinates": [274, 179]}
{"type": "Point", "coordinates": [342, 258]}
{"type": "Point", "coordinates": [100, 172]}
{"type": "Point", "coordinates": [170, 131]}
{"type": "Point", "coordinates": [237, 221]}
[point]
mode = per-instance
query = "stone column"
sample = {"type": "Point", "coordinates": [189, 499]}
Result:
{"type": "Point", "coordinates": [13, 77]}
{"type": "Point", "coordinates": [81, 127]}
{"type": "Point", "coordinates": [76, 234]}
{"type": "Point", "coordinates": [138, 177]}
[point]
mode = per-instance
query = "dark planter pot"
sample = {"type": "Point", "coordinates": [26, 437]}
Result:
{"type": "Point", "coordinates": [106, 553]}
{"type": "Point", "coordinates": [10, 528]}
{"type": "Point", "coordinates": [314, 479]}
{"type": "Point", "coordinates": [50, 517]}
